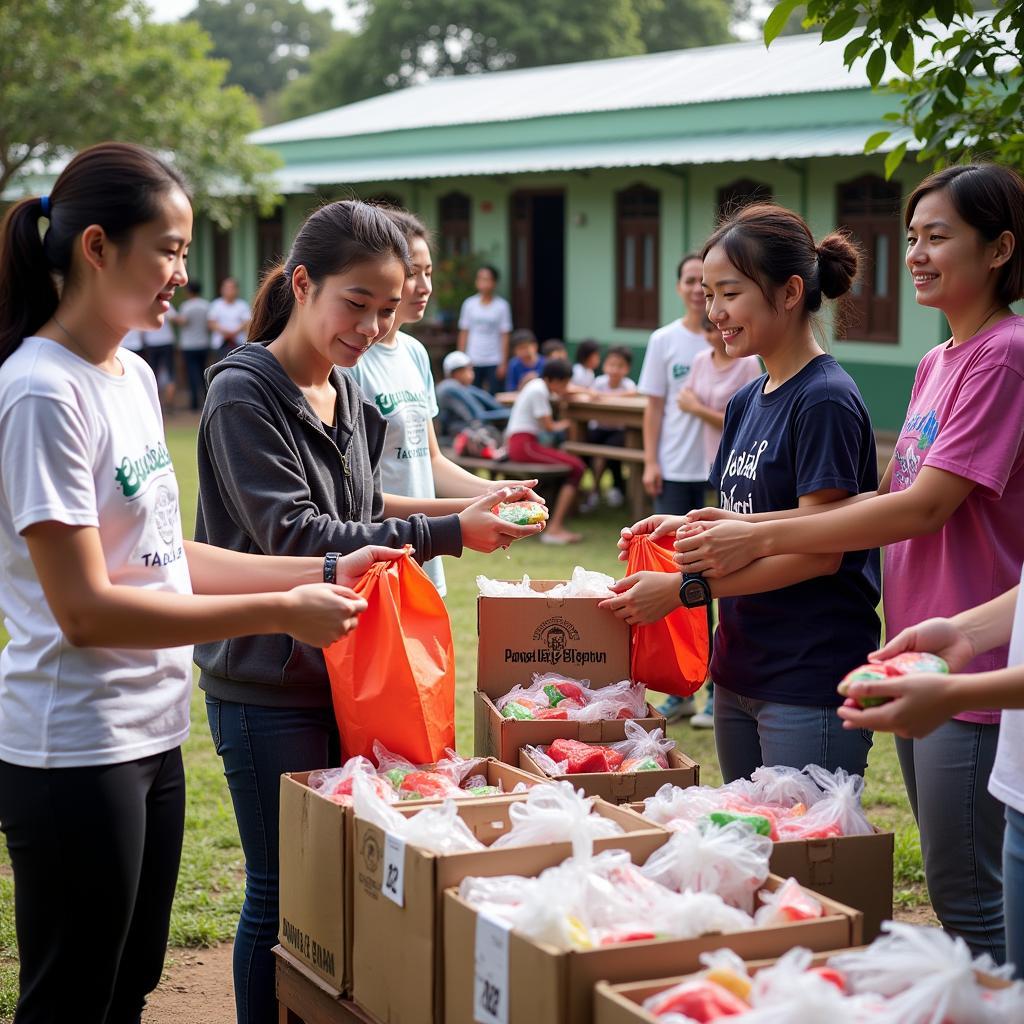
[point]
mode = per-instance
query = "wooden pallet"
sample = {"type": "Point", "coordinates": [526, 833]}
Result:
{"type": "Point", "coordinates": [303, 998]}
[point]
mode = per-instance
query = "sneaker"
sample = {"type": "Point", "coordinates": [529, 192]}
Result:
{"type": "Point", "coordinates": [614, 497]}
{"type": "Point", "coordinates": [590, 503]}
{"type": "Point", "coordinates": [675, 708]}
{"type": "Point", "coordinates": [703, 719]}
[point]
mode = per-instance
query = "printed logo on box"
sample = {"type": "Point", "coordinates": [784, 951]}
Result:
{"type": "Point", "coordinates": [306, 946]}
{"type": "Point", "coordinates": [370, 851]}
{"type": "Point", "coordinates": [557, 639]}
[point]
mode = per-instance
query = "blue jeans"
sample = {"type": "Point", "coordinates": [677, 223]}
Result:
{"type": "Point", "coordinates": [257, 745]}
{"type": "Point", "coordinates": [680, 496]}
{"type": "Point", "coordinates": [486, 377]}
{"type": "Point", "coordinates": [961, 823]}
{"type": "Point", "coordinates": [1013, 888]}
{"type": "Point", "coordinates": [750, 733]}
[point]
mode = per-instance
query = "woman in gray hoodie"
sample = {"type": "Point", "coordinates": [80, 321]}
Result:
{"type": "Point", "coordinates": [289, 464]}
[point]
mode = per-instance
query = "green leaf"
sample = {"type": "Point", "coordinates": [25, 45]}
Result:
{"type": "Point", "coordinates": [876, 66]}
{"type": "Point", "coordinates": [776, 21]}
{"type": "Point", "coordinates": [944, 11]}
{"type": "Point", "coordinates": [856, 49]}
{"type": "Point", "coordinates": [1010, 104]}
{"type": "Point", "coordinates": [894, 159]}
{"type": "Point", "coordinates": [874, 141]}
{"type": "Point", "coordinates": [838, 26]}
{"type": "Point", "coordinates": [902, 50]}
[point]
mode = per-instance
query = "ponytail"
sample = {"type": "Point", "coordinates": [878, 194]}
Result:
{"type": "Point", "coordinates": [116, 185]}
{"type": "Point", "coordinates": [272, 305]}
{"type": "Point", "coordinates": [334, 238]}
{"type": "Point", "coordinates": [28, 293]}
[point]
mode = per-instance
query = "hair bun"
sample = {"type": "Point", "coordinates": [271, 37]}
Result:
{"type": "Point", "coordinates": [837, 264]}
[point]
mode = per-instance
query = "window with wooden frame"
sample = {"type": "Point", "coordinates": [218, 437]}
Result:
{"type": "Point", "coordinates": [636, 257]}
{"type": "Point", "coordinates": [454, 212]}
{"type": "Point", "coordinates": [742, 192]}
{"type": "Point", "coordinates": [869, 208]}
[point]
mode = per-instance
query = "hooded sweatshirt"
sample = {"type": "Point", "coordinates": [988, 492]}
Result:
{"type": "Point", "coordinates": [272, 481]}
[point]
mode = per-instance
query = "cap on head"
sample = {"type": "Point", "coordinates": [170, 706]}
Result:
{"type": "Point", "coordinates": [455, 361]}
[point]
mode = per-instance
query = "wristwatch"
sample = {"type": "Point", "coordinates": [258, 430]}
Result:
{"type": "Point", "coordinates": [694, 591]}
{"type": "Point", "coordinates": [331, 566]}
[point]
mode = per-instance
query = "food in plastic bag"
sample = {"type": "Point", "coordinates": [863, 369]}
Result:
{"type": "Point", "coordinates": [555, 813]}
{"type": "Point", "coordinates": [790, 902]}
{"type": "Point", "coordinates": [437, 829]}
{"type": "Point", "coordinates": [837, 813]}
{"type": "Point", "coordinates": [335, 784]}
{"type": "Point", "coordinates": [782, 785]}
{"type": "Point", "coordinates": [521, 513]}
{"type": "Point", "coordinates": [552, 695]}
{"type": "Point", "coordinates": [731, 861]}
{"type": "Point", "coordinates": [584, 757]}
{"type": "Point", "coordinates": [905, 664]}
{"type": "Point", "coordinates": [641, 746]}
{"type": "Point", "coordinates": [759, 823]}
{"type": "Point", "coordinates": [583, 583]}
{"type": "Point", "coordinates": [423, 785]}
{"type": "Point", "coordinates": [698, 1000]}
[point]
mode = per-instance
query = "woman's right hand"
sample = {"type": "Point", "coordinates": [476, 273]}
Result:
{"type": "Point", "coordinates": [655, 526]}
{"type": "Point", "coordinates": [933, 636]}
{"type": "Point", "coordinates": [710, 515]}
{"type": "Point", "coordinates": [652, 479]}
{"type": "Point", "coordinates": [320, 613]}
{"type": "Point", "coordinates": [483, 531]}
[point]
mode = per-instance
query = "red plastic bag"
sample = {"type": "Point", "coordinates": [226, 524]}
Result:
{"type": "Point", "coordinates": [393, 676]}
{"type": "Point", "coordinates": [670, 655]}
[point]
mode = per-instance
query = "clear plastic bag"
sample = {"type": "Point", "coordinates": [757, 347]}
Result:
{"type": "Point", "coordinates": [671, 805]}
{"type": "Point", "coordinates": [837, 813]}
{"type": "Point", "coordinates": [731, 861]}
{"type": "Point", "coordinates": [642, 750]}
{"type": "Point", "coordinates": [335, 784]}
{"type": "Point", "coordinates": [556, 813]}
{"type": "Point", "coordinates": [583, 583]}
{"type": "Point", "coordinates": [622, 700]}
{"type": "Point", "coordinates": [790, 902]}
{"type": "Point", "coordinates": [784, 786]}
{"type": "Point", "coordinates": [437, 829]}
{"type": "Point", "coordinates": [928, 976]}
{"type": "Point", "coordinates": [545, 763]}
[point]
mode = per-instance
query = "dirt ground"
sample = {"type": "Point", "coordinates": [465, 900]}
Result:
{"type": "Point", "coordinates": [196, 988]}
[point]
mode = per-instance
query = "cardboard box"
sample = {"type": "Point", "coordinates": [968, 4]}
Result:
{"type": "Point", "coordinates": [623, 1004]}
{"type": "Point", "coordinates": [629, 787]}
{"type": "Point", "coordinates": [398, 966]}
{"type": "Point", "coordinates": [855, 870]}
{"type": "Point", "coordinates": [521, 636]}
{"type": "Point", "coordinates": [545, 985]}
{"type": "Point", "coordinates": [315, 915]}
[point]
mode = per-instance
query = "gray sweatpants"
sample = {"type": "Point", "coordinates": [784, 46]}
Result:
{"type": "Point", "coordinates": [961, 823]}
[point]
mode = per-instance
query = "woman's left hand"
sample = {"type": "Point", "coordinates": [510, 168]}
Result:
{"type": "Point", "coordinates": [688, 401]}
{"type": "Point", "coordinates": [526, 486]}
{"type": "Point", "coordinates": [919, 705]}
{"type": "Point", "coordinates": [644, 597]}
{"type": "Point", "coordinates": [351, 568]}
{"type": "Point", "coordinates": [716, 549]}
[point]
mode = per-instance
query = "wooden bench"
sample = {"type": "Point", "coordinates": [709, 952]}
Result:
{"type": "Point", "coordinates": [550, 476]}
{"type": "Point", "coordinates": [603, 451]}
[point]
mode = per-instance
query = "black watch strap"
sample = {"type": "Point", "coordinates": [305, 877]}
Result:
{"type": "Point", "coordinates": [331, 566]}
{"type": "Point", "coordinates": [694, 591]}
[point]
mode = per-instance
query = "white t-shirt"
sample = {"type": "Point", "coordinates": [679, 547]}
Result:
{"type": "Point", "coordinates": [195, 334]}
{"type": "Point", "coordinates": [484, 326]}
{"type": "Point", "coordinates": [532, 405]}
{"type": "Point", "coordinates": [627, 386]}
{"type": "Point", "coordinates": [667, 364]}
{"type": "Point", "coordinates": [399, 383]}
{"type": "Point", "coordinates": [83, 447]}
{"type": "Point", "coordinates": [582, 376]}
{"type": "Point", "coordinates": [1007, 780]}
{"type": "Point", "coordinates": [231, 316]}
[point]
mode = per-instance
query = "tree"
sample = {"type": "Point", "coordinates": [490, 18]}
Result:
{"type": "Point", "coordinates": [401, 43]}
{"type": "Point", "coordinates": [960, 88]}
{"type": "Point", "coordinates": [267, 42]}
{"type": "Point", "coordinates": [75, 74]}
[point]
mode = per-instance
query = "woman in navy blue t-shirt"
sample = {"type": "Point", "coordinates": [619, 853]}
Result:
{"type": "Point", "coordinates": [790, 626]}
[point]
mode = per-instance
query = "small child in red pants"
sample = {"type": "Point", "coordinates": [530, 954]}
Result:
{"type": "Point", "coordinates": [531, 415]}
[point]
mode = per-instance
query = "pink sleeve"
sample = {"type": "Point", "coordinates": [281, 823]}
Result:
{"type": "Point", "coordinates": [978, 440]}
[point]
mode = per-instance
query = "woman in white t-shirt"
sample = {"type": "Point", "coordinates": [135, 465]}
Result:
{"type": "Point", "coordinates": [485, 324]}
{"type": "Point", "coordinates": [229, 318]}
{"type": "Point", "coordinates": [101, 594]}
{"type": "Point", "coordinates": [394, 375]}
{"type": "Point", "coordinates": [921, 704]}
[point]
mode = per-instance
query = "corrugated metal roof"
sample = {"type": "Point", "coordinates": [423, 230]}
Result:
{"type": "Point", "coordinates": [794, 64]}
{"type": "Point", "coordinates": [695, 149]}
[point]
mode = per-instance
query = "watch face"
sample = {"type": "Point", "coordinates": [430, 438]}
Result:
{"type": "Point", "coordinates": [695, 593]}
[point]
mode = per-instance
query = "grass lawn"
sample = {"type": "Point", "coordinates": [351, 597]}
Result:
{"type": "Point", "coordinates": [210, 883]}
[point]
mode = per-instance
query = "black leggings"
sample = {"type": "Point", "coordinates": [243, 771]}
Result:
{"type": "Point", "coordinates": [95, 853]}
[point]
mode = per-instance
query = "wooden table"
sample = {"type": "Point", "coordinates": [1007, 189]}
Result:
{"type": "Point", "coordinates": [303, 998]}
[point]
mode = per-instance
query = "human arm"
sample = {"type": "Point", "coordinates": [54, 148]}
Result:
{"type": "Point", "coordinates": [94, 612]}
{"type": "Point", "coordinates": [654, 410]}
{"type": "Point", "coordinates": [460, 342]}
{"type": "Point", "coordinates": [503, 365]}
{"type": "Point", "coordinates": [452, 481]}
{"type": "Point", "coordinates": [723, 547]}
{"type": "Point", "coordinates": [688, 401]}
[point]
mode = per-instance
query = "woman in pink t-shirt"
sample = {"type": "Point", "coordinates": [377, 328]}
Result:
{"type": "Point", "coordinates": [947, 511]}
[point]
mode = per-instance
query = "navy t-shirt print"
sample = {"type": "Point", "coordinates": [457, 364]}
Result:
{"type": "Point", "coordinates": [793, 646]}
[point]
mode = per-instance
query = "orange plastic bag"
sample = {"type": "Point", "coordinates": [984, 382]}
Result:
{"type": "Point", "coordinates": [393, 676]}
{"type": "Point", "coordinates": [671, 655]}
